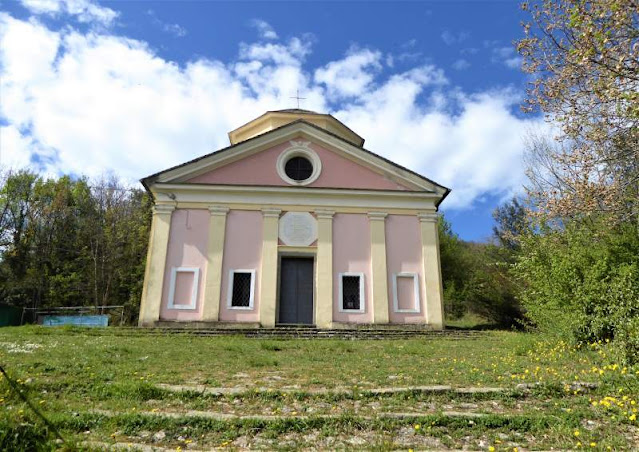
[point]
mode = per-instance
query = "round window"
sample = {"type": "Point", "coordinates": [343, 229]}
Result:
{"type": "Point", "coordinates": [298, 168]}
{"type": "Point", "coordinates": [299, 165]}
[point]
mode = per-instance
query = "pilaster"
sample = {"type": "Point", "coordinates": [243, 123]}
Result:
{"type": "Point", "coordinates": [324, 272]}
{"type": "Point", "coordinates": [214, 260]}
{"type": "Point", "coordinates": [268, 271]}
{"type": "Point", "coordinates": [155, 264]}
{"type": "Point", "coordinates": [379, 269]}
{"type": "Point", "coordinates": [432, 270]}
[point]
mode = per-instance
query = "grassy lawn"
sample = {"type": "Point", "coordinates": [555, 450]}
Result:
{"type": "Point", "coordinates": [102, 386]}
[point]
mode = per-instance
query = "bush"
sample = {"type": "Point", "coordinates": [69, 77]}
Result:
{"type": "Point", "coordinates": [582, 283]}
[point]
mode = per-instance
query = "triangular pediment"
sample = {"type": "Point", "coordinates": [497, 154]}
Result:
{"type": "Point", "coordinates": [254, 162]}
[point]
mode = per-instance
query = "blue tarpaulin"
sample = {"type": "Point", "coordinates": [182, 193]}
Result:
{"type": "Point", "coordinates": [79, 320]}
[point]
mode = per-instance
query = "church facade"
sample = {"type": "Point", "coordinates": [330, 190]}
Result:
{"type": "Point", "coordinates": [294, 223]}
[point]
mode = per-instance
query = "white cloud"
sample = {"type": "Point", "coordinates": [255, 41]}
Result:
{"type": "Point", "coordinates": [42, 6]}
{"type": "Point", "coordinates": [350, 76]}
{"type": "Point", "coordinates": [174, 29]}
{"type": "Point", "coordinates": [461, 64]}
{"type": "Point", "coordinates": [291, 54]}
{"type": "Point", "coordinates": [451, 38]}
{"type": "Point", "coordinates": [390, 60]}
{"type": "Point", "coordinates": [86, 11]}
{"type": "Point", "coordinates": [15, 149]}
{"type": "Point", "coordinates": [70, 104]}
{"type": "Point", "coordinates": [264, 29]}
{"type": "Point", "coordinates": [506, 56]}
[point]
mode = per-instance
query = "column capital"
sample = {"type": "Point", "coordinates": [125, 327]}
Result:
{"type": "Point", "coordinates": [377, 216]}
{"type": "Point", "coordinates": [218, 210]}
{"type": "Point", "coordinates": [428, 217]}
{"type": "Point", "coordinates": [270, 212]}
{"type": "Point", "coordinates": [324, 214]}
{"type": "Point", "coordinates": [159, 209]}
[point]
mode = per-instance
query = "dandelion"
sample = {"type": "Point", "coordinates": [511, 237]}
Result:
{"type": "Point", "coordinates": [633, 417]}
{"type": "Point", "coordinates": [593, 444]}
{"type": "Point", "coordinates": [491, 449]}
{"type": "Point", "coordinates": [417, 426]}
{"type": "Point", "coordinates": [576, 433]}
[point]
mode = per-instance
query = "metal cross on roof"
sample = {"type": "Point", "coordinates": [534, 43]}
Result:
{"type": "Point", "coordinates": [297, 96]}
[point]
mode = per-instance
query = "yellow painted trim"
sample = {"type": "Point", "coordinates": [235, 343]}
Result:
{"type": "Point", "coordinates": [268, 272]}
{"type": "Point", "coordinates": [214, 260]}
{"type": "Point", "coordinates": [319, 198]}
{"type": "Point", "coordinates": [297, 249]}
{"type": "Point", "coordinates": [324, 272]}
{"type": "Point", "coordinates": [378, 267]}
{"type": "Point", "coordinates": [273, 120]}
{"type": "Point", "coordinates": [155, 265]}
{"type": "Point", "coordinates": [297, 208]}
{"type": "Point", "coordinates": [432, 271]}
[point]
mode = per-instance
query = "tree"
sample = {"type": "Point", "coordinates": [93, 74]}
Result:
{"type": "Point", "coordinates": [476, 279]}
{"type": "Point", "coordinates": [512, 221]}
{"type": "Point", "coordinates": [66, 242]}
{"type": "Point", "coordinates": [584, 55]}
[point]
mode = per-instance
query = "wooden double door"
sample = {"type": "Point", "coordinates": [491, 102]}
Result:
{"type": "Point", "coordinates": [296, 290]}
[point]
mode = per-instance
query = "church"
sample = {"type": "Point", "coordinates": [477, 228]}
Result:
{"type": "Point", "coordinates": [294, 223]}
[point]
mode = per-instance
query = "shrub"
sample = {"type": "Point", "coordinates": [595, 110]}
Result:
{"type": "Point", "coordinates": [581, 282]}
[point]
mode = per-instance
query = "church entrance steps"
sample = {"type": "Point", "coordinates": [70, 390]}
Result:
{"type": "Point", "coordinates": [310, 332]}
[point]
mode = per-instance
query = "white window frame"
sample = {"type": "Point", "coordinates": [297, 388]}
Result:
{"type": "Point", "coordinates": [229, 295]}
{"type": "Point", "coordinates": [196, 279]}
{"type": "Point", "coordinates": [299, 149]}
{"type": "Point", "coordinates": [362, 293]}
{"type": "Point", "coordinates": [417, 308]}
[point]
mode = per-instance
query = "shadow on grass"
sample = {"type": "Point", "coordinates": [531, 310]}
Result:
{"type": "Point", "coordinates": [472, 322]}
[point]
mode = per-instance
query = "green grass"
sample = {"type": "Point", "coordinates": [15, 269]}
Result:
{"type": "Point", "coordinates": [72, 373]}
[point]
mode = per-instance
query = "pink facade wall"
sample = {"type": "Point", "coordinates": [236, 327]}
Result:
{"type": "Point", "coordinates": [260, 169]}
{"type": "Point", "coordinates": [352, 253]}
{"type": "Point", "coordinates": [404, 254]}
{"type": "Point", "coordinates": [188, 245]}
{"type": "Point", "coordinates": [242, 251]}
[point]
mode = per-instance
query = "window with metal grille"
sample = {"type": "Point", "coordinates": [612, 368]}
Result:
{"type": "Point", "coordinates": [351, 293]}
{"type": "Point", "coordinates": [298, 168]}
{"type": "Point", "coordinates": [242, 288]}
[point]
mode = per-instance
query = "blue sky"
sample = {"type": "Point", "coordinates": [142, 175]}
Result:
{"type": "Point", "coordinates": [134, 87]}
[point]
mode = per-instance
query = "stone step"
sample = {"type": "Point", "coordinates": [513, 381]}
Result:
{"type": "Point", "coordinates": [315, 333]}
{"type": "Point", "coordinates": [272, 418]}
{"type": "Point", "coordinates": [339, 391]}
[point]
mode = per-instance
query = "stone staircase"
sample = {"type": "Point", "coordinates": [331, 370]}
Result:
{"type": "Point", "coordinates": [311, 332]}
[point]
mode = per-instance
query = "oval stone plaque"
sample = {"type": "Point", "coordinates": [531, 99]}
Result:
{"type": "Point", "coordinates": [298, 229]}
